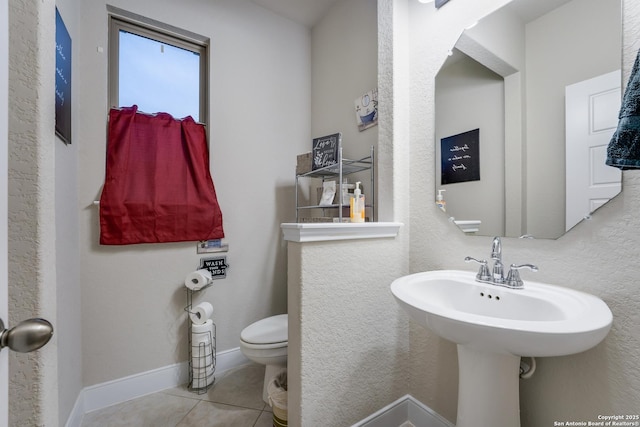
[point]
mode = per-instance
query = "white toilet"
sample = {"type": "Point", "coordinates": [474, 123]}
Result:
{"type": "Point", "coordinates": [266, 342]}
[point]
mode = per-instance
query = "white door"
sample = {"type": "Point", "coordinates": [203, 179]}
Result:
{"type": "Point", "coordinates": [4, 113]}
{"type": "Point", "coordinates": [592, 108]}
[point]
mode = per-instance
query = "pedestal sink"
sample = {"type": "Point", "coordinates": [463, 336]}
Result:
{"type": "Point", "coordinates": [493, 326]}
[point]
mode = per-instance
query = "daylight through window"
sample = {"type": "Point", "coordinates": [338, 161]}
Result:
{"type": "Point", "coordinates": [157, 71]}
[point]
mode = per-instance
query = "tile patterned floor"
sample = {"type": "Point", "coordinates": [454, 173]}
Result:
{"type": "Point", "coordinates": [235, 400]}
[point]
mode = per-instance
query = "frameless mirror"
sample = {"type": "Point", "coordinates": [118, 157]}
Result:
{"type": "Point", "coordinates": [526, 104]}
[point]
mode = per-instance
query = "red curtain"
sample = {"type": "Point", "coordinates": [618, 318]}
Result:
{"type": "Point", "coordinates": [158, 187]}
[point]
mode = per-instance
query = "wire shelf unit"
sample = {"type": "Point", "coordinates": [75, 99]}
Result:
{"type": "Point", "coordinates": [338, 171]}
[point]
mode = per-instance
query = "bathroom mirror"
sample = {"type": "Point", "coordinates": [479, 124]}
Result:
{"type": "Point", "coordinates": [525, 106]}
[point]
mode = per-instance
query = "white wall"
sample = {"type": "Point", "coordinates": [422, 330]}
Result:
{"type": "Point", "coordinates": [33, 391]}
{"type": "Point", "coordinates": [133, 296]}
{"type": "Point", "coordinates": [599, 256]}
{"type": "Point", "coordinates": [344, 67]}
{"type": "Point", "coordinates": [69, 324]}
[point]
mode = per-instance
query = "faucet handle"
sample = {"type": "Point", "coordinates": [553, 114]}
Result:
{"type": "Point", "coordinates": [513, 278]}
{"type": "Point", "coordinates": [483, 274]}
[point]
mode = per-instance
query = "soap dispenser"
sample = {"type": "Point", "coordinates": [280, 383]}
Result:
{"type": "Point", "coordinates": [357, 205]}
{"type": "Point", "coordinates": [440, 201]}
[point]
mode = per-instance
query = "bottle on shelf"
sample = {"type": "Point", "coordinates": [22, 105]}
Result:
{"type": "Point", "coordinates": [440, 201]}
{"type": "Point", "coordinates": [357, 205]}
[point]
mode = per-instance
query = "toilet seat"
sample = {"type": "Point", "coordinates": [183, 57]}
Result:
{"type": "Point", "coordinates": [249, 346]}
{"type": "Point", "coordinates": [272, 332]}
{"type": "Point", "coordinates": [267, 342]}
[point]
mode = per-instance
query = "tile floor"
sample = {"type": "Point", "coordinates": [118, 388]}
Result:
{"type": "Point", "coordinates": [234, 400]}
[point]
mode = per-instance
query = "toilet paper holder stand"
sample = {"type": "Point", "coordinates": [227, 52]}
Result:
{"type": "Point", "coordinates": [202, 356]}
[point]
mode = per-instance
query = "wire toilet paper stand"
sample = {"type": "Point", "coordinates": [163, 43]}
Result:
{"type": "Point", "coordinates": [202, 353]}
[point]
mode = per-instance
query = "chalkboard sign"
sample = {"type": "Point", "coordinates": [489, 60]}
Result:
{"type": "Point", "coordinates": [460, 157]}
{"type": "Point", "coordinates": [325, 150]}
{"type": "Point", "coordinates": [63, 80]}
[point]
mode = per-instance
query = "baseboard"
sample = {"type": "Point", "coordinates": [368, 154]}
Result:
{"type": "Point", "coordinates": [405, 410]}
{"type": "Point", "coordinates": [117, 391]}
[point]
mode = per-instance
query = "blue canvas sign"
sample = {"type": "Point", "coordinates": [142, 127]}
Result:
{"type": "Point", "coordinates": [63, 80]}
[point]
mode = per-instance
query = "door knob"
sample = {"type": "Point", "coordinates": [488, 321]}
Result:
{"type": "Point", "coordinates": [26, 336]}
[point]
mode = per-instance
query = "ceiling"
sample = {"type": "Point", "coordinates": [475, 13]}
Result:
{"type": "Point", "coordinates": [309, 12]}
{"type": "Point", "coordinates": [305, 12]}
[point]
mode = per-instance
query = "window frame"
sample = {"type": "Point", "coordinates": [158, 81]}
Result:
{"type": "Point", "coordinates": [163, 33]}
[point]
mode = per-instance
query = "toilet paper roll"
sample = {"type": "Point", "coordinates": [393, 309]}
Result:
{"type": "Point", "coordinates": [198, 279]}
{"type": "Point", "coordinates": [203, 362]}
{"type": "Point", "coordinates": [202, 354]}
{"type": "Point", "coordinates": [200, 313]}
{"type": "Point", "coordinates": [201, 349]}
{"type": "Point", "coordinates": [202, 333]}
{"type": "Point", "coordinates": [202, 377]}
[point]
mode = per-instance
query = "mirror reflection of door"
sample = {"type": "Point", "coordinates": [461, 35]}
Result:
{"type": "Point", "coordinates": [592, 117]}
{"type": "Point", "coordinates": [536, 48]}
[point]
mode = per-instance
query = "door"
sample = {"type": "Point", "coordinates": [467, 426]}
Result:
{"type": "Point", "coordinates": [4, 135]}
{"type": "Point", "coordinates": [591, 119]}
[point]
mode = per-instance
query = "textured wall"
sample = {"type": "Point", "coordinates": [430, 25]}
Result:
{"type": "Point", "coordinates": [4, 132]}
{"type": "Point", "coordinates": [598, 256]}
{"type": "Point", "coordinates": [348, 340]}
{"type": "Point", "coordinates": [348, 343]}
{"type": "Point", "coordinates": [32, 259]}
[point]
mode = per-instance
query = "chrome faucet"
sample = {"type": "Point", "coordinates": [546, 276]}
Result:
{"type": "Point", "coordinates": [496, 256]}
{"type": "Point", "coordinates": [512, 281]}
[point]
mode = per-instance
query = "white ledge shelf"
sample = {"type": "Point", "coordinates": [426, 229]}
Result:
{"type": "Point", "coordinates": [328, 231]}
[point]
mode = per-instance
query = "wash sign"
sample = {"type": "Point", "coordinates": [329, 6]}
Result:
{"type": "Point", "coordinates": [216, 266]}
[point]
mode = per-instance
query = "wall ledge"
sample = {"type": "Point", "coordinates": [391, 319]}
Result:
{"type": "Point", "coordinates": [328, 231]}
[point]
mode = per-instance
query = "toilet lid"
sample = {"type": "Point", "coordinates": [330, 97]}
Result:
{"type": "Point", "coordinates": [271, 330]}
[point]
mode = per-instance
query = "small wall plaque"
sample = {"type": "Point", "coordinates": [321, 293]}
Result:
{"type": "Point", "coordinates": [367, 110]}
{"type": "Point", "coordinates": [216, 266]}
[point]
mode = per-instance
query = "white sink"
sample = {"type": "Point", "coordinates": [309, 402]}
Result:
{"type": "Point", "coordinates": [539, 320]}
{"type": "Point", "coordinates": [493, 326]}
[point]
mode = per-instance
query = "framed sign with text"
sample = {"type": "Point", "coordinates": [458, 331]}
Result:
{"type": "Point", "coordinates": [325, 151]}
{"type": "Point", "coordinates": [460, 157]}
{"type": "Point", "coordinates": [63, 80]}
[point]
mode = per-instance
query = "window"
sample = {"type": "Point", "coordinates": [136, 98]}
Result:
{"type": "Point", "coordinates": [157, 67]}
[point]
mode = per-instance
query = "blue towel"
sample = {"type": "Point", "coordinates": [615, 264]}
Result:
{"type": "Point", "coordinates": [624, 148]}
